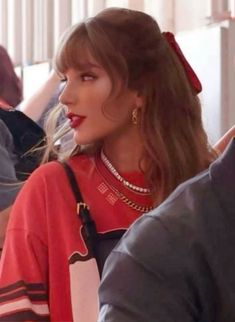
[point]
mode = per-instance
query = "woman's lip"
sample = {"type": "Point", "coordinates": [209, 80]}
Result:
{"type": "Point", "coordinates": [75, 120]}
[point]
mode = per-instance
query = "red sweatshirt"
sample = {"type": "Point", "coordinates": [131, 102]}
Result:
{"type": "Point", "coordinates": [45, 273]}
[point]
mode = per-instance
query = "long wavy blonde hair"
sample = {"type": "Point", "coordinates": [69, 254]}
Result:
{"type": "Point", "coordinates": [129, 45]}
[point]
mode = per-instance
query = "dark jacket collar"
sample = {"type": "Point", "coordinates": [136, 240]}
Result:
{"type": "Point", "coordinates": [222, 174]}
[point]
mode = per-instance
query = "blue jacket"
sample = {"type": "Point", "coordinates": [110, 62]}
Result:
{"type": "Point", "coordinates": [177, 263]}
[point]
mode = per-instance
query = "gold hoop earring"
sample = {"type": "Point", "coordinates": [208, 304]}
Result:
{"type": "Point", "coordinates": [134, 117]}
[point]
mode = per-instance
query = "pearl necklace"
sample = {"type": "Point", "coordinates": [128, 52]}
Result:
{"type": "Point", "coordinates": [126, 183]}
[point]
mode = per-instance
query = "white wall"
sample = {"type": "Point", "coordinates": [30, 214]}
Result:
{"type": "Point", "coordinates": [30, 29]}
{"type": "Point", "coordinates": [207, 52]}
{"type": "Point", "coordinates": [190, 14]}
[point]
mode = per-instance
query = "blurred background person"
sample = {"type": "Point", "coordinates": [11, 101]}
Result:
{"type": "Point", "coordinates": [9, 185]}
{"type": "Point", "coordinates": [38, 105]}
{"type": "Point", "coordinates": [10, 84]}
{"type": "Point", "coordinates": [18, 135]}
{"type": "Point", "coordinates": [10, 95]}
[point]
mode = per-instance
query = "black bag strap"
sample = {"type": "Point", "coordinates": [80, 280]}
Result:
{"type": "Point", "coordinates": [73, 182]}
{"type": "Point", "coordinates": [89, 228]}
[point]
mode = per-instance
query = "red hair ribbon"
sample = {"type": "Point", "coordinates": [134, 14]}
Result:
{"type": "Point", "coordinates": [192, 77]}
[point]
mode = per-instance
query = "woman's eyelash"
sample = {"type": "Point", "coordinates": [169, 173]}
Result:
{"type": "Point", "coordinates": [83, 76]}
{"type": "Point", "coordinates": [63, 78]}
{"type": "Point", "coordinates": [87, 76]}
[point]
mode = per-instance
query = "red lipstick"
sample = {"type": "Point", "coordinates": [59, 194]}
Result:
{"type": "Point", "coordinates": [75, 120]}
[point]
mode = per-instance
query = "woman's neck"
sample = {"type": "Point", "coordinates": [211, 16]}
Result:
{"type": "Point", "coordinates": [125, 153]}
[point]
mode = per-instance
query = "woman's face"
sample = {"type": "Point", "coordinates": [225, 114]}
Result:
{"type": "Point", "coordinates": [85, 95]}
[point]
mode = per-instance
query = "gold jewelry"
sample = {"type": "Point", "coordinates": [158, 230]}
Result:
{"type": "Point", "coordinates": [127, 201]}
{"type": "Point", "coordinates": [132, 204]}
{"type": "Point", "coordinates": [126, 183]}
{"type": "Point", "coordinates": [135, 116]}
{"type": "Point", "coordinates": [120, 195]}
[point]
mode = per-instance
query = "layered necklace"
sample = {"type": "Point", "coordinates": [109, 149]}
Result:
{"type": "Point", "coordinates": [120, 178]}
{"type": "Point", "coordinates": [137, 190]}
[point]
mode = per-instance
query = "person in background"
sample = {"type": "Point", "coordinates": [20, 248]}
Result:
{"type": "Point", "coordinates": [10, 84]}
{"type": "Point", "coordinates": [177, 262]}
{"type": "Point", "coordinates": [18, 134]}
{"type": "Point", "coordinates": [43, 100]}
{"type": "Point", "coordinates": [9, 185]}
{"type": "Point", "coordinates": [36, 108]}
{"type": "Point", "coordinates": [131, 102]}
{"type": "Point", "coordinates": [10, 95]}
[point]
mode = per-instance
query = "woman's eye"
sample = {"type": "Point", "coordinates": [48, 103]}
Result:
{"type": "Point", "coordinates": [64, 80]}
{"type": "Point", "coordinates": [87, 77]}
{"type": "Point", "coordinates": [62, 77]}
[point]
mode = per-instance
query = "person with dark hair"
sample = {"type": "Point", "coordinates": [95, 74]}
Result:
{"type": "Point", "coordinates": [10, 95]}
{"type": "Point", "coordinates": [10, 84]}
{"type": "Point", "coordinates": [131, 103]}
{"type": "Point", "coordinates": [17, 135]}
{"type": "Point", "coordinates": [177, 263]}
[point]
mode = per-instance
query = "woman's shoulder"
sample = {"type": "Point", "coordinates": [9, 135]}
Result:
{"type": "Point", "coordinates": [81, 161]}
{"type": "Point", "coordinates": [54, 169]}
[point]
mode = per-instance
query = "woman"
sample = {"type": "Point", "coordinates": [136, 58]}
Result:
{"type": "Point", "coordinates": [131, 100]}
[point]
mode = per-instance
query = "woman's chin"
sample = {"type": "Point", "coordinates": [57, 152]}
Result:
{"type": "Point", "coordinates": [79, 140]}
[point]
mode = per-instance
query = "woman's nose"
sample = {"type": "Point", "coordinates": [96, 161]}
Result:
{"type": "Point", "coordinates": [68, 95]}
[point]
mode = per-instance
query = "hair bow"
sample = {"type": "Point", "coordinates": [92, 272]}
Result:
{"type": "Point", "coordinates": [192, 77]}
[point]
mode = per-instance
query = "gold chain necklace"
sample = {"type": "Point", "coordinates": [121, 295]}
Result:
{"type": "Point", "coordinates": [132, 204]}
{"type": "Point", "coordinates": [122, 197]}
